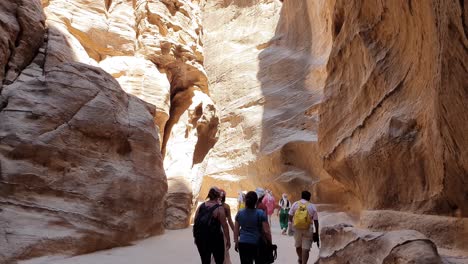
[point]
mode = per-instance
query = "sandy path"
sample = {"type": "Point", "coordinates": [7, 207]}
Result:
{"type": "Point", "coordinates": [173, 247]}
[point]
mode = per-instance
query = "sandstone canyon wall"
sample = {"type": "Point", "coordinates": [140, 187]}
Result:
{"type": "Point", "coordinates": [368, 95]}
{"type": "Point", "coordinates": [393, 121]}
{"type": "Point", "coordinates": [81, 160]}
{"type": "Point", "coordinates": [153, 49]}
{"type": "Point", "coordinates": [80, 166]}
{"type": "Point", "coordinates": [266, 62]}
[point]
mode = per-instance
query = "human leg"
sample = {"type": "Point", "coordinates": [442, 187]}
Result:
{"type": "Point", "coordinates": [283, 219]}
{"type": "Point", "coordinates": [298, 244]}
{"type": "Point", "coordinates": [306, 245]}
{"type": "Point", "coordinates": [247, 253]}
{"type": "Point", "coordinates": [299, 254]}
{"type": "Point", "coordinates": [205, 254]}
{"type": "Point", "coordinates": [305, 256]}
{"type": "Point", "coordinates": [217, 248]}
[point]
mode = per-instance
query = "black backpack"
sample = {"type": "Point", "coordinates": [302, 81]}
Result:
{"type": "Point", "coordinates": [205, 225]}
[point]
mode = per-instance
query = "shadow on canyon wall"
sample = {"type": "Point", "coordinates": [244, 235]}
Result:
{"type": "Point", "coordinates": [291, 71]}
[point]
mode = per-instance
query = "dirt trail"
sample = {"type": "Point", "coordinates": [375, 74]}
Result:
{"type": "Point", "coordinates": [175, 247]}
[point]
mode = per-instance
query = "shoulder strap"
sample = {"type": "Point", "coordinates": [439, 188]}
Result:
{"type": "Point", "coordinates": [207, 210]}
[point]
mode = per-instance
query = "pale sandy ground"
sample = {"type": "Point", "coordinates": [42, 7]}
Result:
{"type": "Point", "coordinates": [173, 247]}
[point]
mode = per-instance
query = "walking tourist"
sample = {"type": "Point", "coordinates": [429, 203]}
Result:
{"type": "Point", "coordinates": [302, 213]}
{"type": "Point", "coordinates": [241, 200]}
{"type": "Point", "coordinates": [251, 227]}
{"type": "Point", "coordinates": [227, 211]}
{"type": "Point", "coordinates": [261, 194]}
{"type": "Point", "coordinates": [270, 204]}
{"type": "Point", "coordinates": [209, 219]}
{"type": "Point", "coordinates": [283, 213]}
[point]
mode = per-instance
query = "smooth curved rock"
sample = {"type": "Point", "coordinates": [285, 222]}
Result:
{"type": "Point", "coordinates": [346, 244]}
{"type": "Point", "coordinates": [266, 64]}
{"type": "Point", "coordinates": [154, 50]}
{"type": "Point", "coordinates": [80, 166]}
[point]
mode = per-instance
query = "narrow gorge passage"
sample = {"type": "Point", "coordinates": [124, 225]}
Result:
{"type": "Point", "coordinates": [118, 116]}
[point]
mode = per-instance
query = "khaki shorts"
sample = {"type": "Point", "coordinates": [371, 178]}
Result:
{"type": "Point", "coordinates": [303, 238]}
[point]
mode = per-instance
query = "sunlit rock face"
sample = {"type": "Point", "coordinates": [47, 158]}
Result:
{"type": "Point", "coordinates": [153, 49]}
{"type": "Point", "coordinates": [266, 63]}
{"type": "Point", "coordinates": [345, 244]}
{"type": "Point", "coordinates": [392, 124]}
{"type": "Point", "coordinates": [80, 161]}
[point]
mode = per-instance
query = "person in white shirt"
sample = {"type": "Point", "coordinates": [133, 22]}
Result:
{"type": "Point", "coordinates": [283, 212]}
{"type": "Point", "coordinates": [304, 234]}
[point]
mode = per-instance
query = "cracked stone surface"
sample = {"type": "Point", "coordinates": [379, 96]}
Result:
{"type": "Point", "coordinates": [346, 244]}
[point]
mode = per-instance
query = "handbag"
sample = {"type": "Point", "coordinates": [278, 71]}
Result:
{"type": "Point", "coordinates": [267, 252]}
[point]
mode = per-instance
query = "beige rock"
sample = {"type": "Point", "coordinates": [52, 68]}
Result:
{"type": "Point", "coordinates": [446, 232]}
{"type": "Point", "coordinates": [345, 244]}
{"type": "Point", "coordinates": [154, 50]}
{"type": "Point", "coordinates": [266, 64]}
{"type": "Point", "coordinates": [140, 77]}
{"type": "Point", "coordinates": [102, 30]}
{"type": "Point", "coordinates": [390, 125]}
{"type": "Point", "coordinates": [178, 203]}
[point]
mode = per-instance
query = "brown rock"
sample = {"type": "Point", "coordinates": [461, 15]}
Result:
{"type": "Point", "coordinates": [390, 125]}
{"type": "Point", "coordinates": [345, 244]}
{"type": "Point", "coordinates": [178, 203]}
{"type": "Point", "coordinates": [80, 165]}
{"type": "Point", "coordinates": [446, 232]}
{"type": "Point", "coordinates": [154, 50]}
{"type": "Point", "coordinates": [22, 32]}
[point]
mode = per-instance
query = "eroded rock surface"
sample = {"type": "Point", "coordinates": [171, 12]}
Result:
{"type": "Point", "coordinates": [266, 62]}
{"type": "Point", "coordinates": [80, 161]}
{"type": "Point", "coordinates": [447, 232]}
{"type": "Point", "coordinates": [153, 49]}
{"type": "Point", "coordinates": [391, 124]}
{"type": "Point", "coordinates": [81, 168]}
{"type": "Point", "coordinates": [346, 244]}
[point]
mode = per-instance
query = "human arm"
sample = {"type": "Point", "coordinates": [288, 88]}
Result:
{"type": "Point", "coordinates": [267, 231]}
{"type": "Point", "coordinates": [236, 236]}
{"type": "Point", "coordinates": [195, 217]}
{"type": "Point", "coordinates": [222, 219]}
{"type": "Point", "coordinates": [228, 216]}
{"type": "Point", "coordinates": [291, 212]}
{"type": "Point", "coordinates": [316, 224]}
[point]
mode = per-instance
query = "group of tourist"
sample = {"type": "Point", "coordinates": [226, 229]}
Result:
{"type": "Point", "coordinates": [252, 232]}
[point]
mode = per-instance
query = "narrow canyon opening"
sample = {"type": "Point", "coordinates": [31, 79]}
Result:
{"type": "Point", "coordinates": [118, 116]}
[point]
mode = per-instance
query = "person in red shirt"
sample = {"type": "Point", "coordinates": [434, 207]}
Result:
{"type": "Point", "coordinates": [270, 203]}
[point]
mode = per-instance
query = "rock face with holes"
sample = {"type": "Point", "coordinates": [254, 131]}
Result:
{"type": "Point", "coordinates": [345, 244]}
{"type": "Point", "coordinates": [153, 49]}
{"type": "Point", "coordinates": [267, 66]}
{"type": "Point", "coordinates": [392, 127]}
